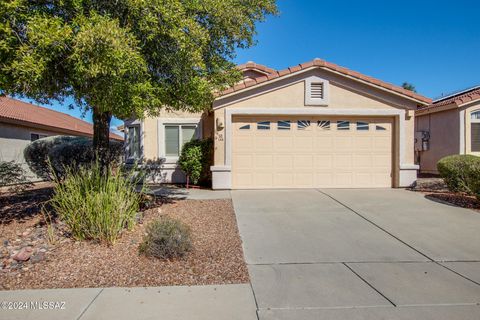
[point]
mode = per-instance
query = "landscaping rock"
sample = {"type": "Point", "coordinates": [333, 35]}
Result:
{"type": "Point", "coordinates": [23, 255]}
{"type": "Point", "coordinates": [36, 258]}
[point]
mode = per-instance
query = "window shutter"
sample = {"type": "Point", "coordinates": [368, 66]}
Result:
{"type": "Point", "coordinates": [475, 136]}
{"type": "Point", "coordinates": [316, 90]}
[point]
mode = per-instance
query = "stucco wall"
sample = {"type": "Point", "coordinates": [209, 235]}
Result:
{"type": "Point", "coordinates": [14, 139]}
{"type": "Point", "coordinates": [444, 128]}
{"type": "Point", "coordinates": [152, 141]}
{"type": "Point", "coordinates": [344, 94]}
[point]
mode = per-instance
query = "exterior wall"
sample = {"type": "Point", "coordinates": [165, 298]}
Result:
{"type": "Point", "coordinates": [152, 142]}
{"type": "Point", "coordinates": [469, 108]}
{"type": "Point", "coordinates": [444, 129]}
{"type": "Point", "coordinates": [344, 94]}
{"type": "Point", "coordinates": [14, 139]}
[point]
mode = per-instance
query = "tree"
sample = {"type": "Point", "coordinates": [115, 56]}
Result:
{"type": "Point", "coordinates": [409, 86]}
{"type": "Point", "coordinates": [124, 58]}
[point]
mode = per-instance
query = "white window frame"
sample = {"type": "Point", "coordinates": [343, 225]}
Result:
{"type": "Point", "coordinates": [470, 133]}
{"type": "Point", "coordinates": [162, 123]}
{"type": "Point", "coordinates": [140, 142]}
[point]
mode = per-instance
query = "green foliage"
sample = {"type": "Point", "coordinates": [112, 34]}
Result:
{"type": "Point", "coordinates": [409, 86]}
{"type": "Point", "coordinates": [196, 159]}
{"type": "Point", "coordinates": [61, 152]}
{"type": "Point", "coordinates": [127, 58]}
{"type": "Point", "coordinates": [459, 172]}
{"type": "Point", "coordinates": [96, 204]}
{"type": "Point", "coordinates": [166, 238]}
{"type": "Point", "coordinates": [12, 174]}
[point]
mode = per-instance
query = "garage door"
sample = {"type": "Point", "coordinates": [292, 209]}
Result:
{"type": "Point", "coordinates": [311, 152]}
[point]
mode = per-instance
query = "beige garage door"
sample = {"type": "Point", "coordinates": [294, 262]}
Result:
{"type": "Point", "coordinates": [311, 152]}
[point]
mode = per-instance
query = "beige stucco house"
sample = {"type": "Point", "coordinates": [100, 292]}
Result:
{"type": "Point", "coordinates": [312, 125]}
{"type": "Point", "coordinates": [450, 125]}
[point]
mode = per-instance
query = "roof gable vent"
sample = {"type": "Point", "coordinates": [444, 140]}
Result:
{"type": "Point", "coordinates": [316, 91]}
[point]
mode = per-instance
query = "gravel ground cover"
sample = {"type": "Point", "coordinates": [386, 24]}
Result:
{"type": "Point", "coordinates": [31, 258]}
{"type": "Point", "coordinates": [435, 189]}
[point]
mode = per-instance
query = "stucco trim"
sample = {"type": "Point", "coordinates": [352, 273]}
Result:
{"type": "Point", "coordinates": [400, 114]}
{"type": "Point", "coordinates": [321, 102]}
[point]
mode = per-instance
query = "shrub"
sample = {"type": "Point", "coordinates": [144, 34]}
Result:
{"type": "Point", "coordinates": [63, 152]}
{"type": "Point", "coordinates": [457, 173]}
{"type": "Point", "coordinates": [36, 154]}
{"type": "Point", "coordinates": [196, 159]}
{"type": "Point", "coordinates": [96, 204]}
{"type": "Point", "coordinates": [12, 174]}
{"type": "Point", "coordinates": [166, 238]}
{"type": "Point", "coordinates": [474, 179]}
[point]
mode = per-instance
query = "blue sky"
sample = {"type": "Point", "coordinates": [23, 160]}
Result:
{"type": "Point", "coordinates": [433, 44]}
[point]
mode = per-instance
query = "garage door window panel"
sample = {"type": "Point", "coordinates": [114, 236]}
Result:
{"type": "Point", "coordinates": [323, 124]}
{"type": "Point", "coordinates": [303, 124]}
{"type": "Point", "coordinates": [283, 125]}
{"type": "Point", "coordinates": [362, 126]}
{"type": "Point", "coordinates": [263, 125]}
{"type": "Point", "coordinates": [343, 125]}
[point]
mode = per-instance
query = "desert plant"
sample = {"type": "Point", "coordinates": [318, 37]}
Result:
{"type": "Point", "coordinates": [166, 238]}
{"type": "Point", "coordinates": [456, 171]}
{"type": "Point", "coordinates": [63, 152]}
{"type": "Point", "coordinates": [95, 203]}
{"type": "Point", "coordinates": [12, 174]}
{"type": "Point", "coordinates": [196, 159]}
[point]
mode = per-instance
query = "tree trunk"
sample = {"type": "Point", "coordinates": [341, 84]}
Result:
{"type": "Point", "coordinates": [101, 136]}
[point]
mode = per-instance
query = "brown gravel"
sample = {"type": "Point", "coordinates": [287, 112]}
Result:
{"type": "Point", "coordinates": [435, 189]}
{"type": "Point", "coordinates": [216, 258]}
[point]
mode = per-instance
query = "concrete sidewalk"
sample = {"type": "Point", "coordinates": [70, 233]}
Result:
{"type": "Point", "coordinates": [234, 301]}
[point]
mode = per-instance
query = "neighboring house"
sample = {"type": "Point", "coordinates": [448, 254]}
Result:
{"type": "Point", "coordinates": [312, 125]}
{"type": "Point", "coordinates": [450, 125]}
{"type": "Point", "coordinates": [22, 123]}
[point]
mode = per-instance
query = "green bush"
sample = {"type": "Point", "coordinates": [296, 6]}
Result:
{"type": "Point", "coordinates": [63, 152]}
{"type": "Point", "coordinates": [12, 174]}
{"type": "Point", "coordinates": [166, 238]}
{"type": "Point", "coordinates": [36, 154]}
{"type": "Point", "coordinates": [456, 171]}
{"type": "Point", "coordinates": [96, 204]}
{"type": "Point", "coordinates": [196, 159]}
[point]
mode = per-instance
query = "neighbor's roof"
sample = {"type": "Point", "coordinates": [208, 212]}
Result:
{"type": "Point", "coordinates": [274, 74]}
{"type": "Point", "coordinates": [24, 113]}
{"type": "Point", "coordinates": [459, 98]}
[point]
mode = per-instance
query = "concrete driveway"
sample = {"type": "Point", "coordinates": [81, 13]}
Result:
{"type": "Point", "coordinates": [359, 254]}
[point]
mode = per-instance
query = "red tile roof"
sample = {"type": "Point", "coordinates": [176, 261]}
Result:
{"type": "Point", "coordinates": [250, 65]}
{"type": "Point", "coordinates": [32, 115]}
{"type": "Point", "coordinates": [457, 99]}
{"type": "Point", "coordinates": [273, 74]}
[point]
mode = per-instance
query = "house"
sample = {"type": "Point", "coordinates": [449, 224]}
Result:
{"type": "Point", "coordinates": [312, 125]}
{"type": "Point", "coordinates": [22, 123]}
{"type": "Point", "coordinates": [449, 125]}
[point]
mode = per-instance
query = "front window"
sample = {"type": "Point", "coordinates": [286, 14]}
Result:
{"type": "Point", "coordinates": [133, 142]}
{"type": "Point", "coordinates": [176, 135]}
{"type": "Point", "coordinates": [475, 131]}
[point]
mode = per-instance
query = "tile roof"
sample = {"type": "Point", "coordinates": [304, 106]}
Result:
{"type": "Point", "coordinates": [30, 114]}
{"type": "Point", "coordinates": [457, 99]}
{"type": "Point", "coordinates": [250, 65]}
{"type": "Point", "coordinates": [273, 74]}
